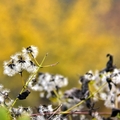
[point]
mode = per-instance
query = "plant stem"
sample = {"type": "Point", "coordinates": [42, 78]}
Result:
{"type": "Point", "coordinates": [59, 100]}
{"type": "Point", "coordinates": [51, 65]}
{"type": "Point", "coordinates": [70, 113]}
{"type": "Point", "coordinates": [84, 100]}
{"type": "Point", "coordinates": [26, 84]}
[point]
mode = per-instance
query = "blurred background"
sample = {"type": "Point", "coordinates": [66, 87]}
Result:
{"type": "Point", "coordinates": [76, 33]}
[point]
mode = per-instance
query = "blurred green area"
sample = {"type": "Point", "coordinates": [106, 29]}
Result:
{"type": "Point", "coordinates": [4, 114]}
{"type": "Point", "coordinates": [76, 33]}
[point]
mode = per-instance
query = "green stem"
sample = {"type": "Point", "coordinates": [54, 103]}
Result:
{"type": "Point", "coordinates": [32, 57]}
{"type": "Point", "coordinates": [83, 100]}
{"type": "Point", "coordinates": [51, 65]}
{"type": "Point", "coordinates": [25, 86]}
{"type": "Point", "coordinates": [57, 96]}
{"type": "Point", "coordinates": [36, 61]}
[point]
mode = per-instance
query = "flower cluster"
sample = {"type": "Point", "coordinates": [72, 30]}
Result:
{"type": "Point", "coordinates": [21, 61]}
{"type": "Point", "coordinates": [110, 92]}
{"type": "Point", "coordinates": [46, 112]}
{"type": "Point", "coordinates": [106, 84]}
{"type": "Point", "coordinates": [47, 83]}
{"type": "Point", "coordinates": [16, 112]}
{"type": "Point", "coordinates": [76, 95]}
{"type": "Point", "coordinates": [102, 85]}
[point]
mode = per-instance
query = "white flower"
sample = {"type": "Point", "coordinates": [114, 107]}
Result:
{"type": "Point", "coordinates": [46, 82]}
{"type": "Point", "coordinates": [21, 110]}
{"type": "Point", "coordinates": [50, 108]}
{"type": "Point", "coordinates": [97, 116]}
{"type": "Point", "coordinates": [60, 81]}
{"type": "Point", "coordinates": [103, 96]}
{"type": "Point", "coordinates": [33, 84]}
{"type": "Point", "coordinates": [110, 101]}
{"type": "Point", "coordinates": [10, 68]}
{"type": "Point", "coordinates": [116, 76]}
{"type": "Point", "coordinates": [31, 67]}
{"type": "Point", "coordinates": [82, 117]}
{"type": "Point", "coordinates": [43, 109]}
{"type": "Point", "coordinates": [22, 61]}
{"type": "Point", "coordinates": [39, 117]}
{"type": "Point", "coordinates": [35, 87]}
{"type": "Point", "coordinates": [31, 50]}
{"type": "Point", "coordinates": [89, 75]}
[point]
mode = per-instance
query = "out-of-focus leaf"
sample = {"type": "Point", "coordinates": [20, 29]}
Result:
{"type": "Point", "coordinates": [4, 115]}
{"type": "Point", "coordinates": [118, 115]}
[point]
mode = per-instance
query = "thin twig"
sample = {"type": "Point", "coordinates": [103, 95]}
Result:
{"type": "Point", "coordinates": [55, 112]}
{"type": "Point", "coordinates": [74, 112]}
{"type": "Point", "coordinates": [51, 65]}
{"type": "Point", "coordinates": [85, 99]}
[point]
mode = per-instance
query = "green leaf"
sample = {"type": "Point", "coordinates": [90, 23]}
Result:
{"type": "Point", "coordinates": [4, 115]}
{"type": "Point", "coordinates": [118, 115]}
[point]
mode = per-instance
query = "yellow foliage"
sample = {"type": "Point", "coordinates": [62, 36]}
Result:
{"type": "Point", "coordinates": [72, 32]}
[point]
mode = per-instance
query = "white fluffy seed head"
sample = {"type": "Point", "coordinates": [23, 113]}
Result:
{"type": "Point", "coordinates": [31, 50]}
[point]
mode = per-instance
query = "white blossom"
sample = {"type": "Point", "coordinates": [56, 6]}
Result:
{"type": "Point", "coordinates": [10, 68]}
{"type": "Point", "coordinates": [31, 50]}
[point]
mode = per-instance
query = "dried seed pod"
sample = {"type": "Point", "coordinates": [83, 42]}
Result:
{"type": "Point", "coordinates": [115, 111]}
{"type": "Point", "coordinates": [109, 66]}
{"type": "Point", "coordinates": [23, 95]}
